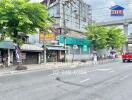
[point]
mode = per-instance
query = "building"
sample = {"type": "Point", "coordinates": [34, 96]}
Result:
{"type": "Point", "coordinates": [30, 53]}
{"type": "Point", "coordinates": [71, 18]}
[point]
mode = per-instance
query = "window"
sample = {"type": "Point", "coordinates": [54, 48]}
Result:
{"type": "Point", "coordinates": [52, 1]}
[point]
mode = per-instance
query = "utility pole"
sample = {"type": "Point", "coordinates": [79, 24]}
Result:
{"type": "Point", "coordinates": [42, 38]}
{"type": "Point", "coordinates": [64, 28]}
{"type": "Point", "coordinates": [64, 3]}
{"type": "Point", "coordinates": [44, 43]}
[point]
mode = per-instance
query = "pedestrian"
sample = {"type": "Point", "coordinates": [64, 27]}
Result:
{"type": "Point", "coordinates": [95, 58]}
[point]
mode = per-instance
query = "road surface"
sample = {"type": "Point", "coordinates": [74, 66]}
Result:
{"type": "Point", "coordinates": [111, 81]}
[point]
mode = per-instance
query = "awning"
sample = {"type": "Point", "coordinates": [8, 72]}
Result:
{"type": "Point", "coordinates": [56, 48]}
{"type": "Point", "coordinates": [30, 47]}
{"type": "Point", "coordinates": [6, 45]}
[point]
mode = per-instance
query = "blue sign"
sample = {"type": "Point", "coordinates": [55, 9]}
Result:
{"type": "Point", "coordinates": [117, 11]}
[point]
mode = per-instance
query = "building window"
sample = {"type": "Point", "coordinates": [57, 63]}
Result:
{"type": "Point", "coordinates": [52, 1]}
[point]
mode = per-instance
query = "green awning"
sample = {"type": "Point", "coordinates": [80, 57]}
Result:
{"type": "Point", "coordinates": [74, 41]}
{"type": "Point", "coordinates": [6, 45]}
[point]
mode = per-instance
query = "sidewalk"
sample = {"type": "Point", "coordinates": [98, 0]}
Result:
{"type": "Point", "coordinates": [54, 65]}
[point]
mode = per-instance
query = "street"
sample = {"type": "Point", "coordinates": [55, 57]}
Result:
{"type": "Point", "coordinates": [111, 81]}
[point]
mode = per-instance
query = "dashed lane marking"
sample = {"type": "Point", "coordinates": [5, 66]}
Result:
{"type": "Point", "coordinates": [85, 80]}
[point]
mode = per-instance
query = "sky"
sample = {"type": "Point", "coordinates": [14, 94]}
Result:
{"type": "Point", "coordinates": [101, 9]}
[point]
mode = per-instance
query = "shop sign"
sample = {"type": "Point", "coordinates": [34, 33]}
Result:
{"type": "Point", "coordinates": [46, 36]}
{"type": "Point", "coordinates": [17, 52]}
{"type": "Point", "coordinates": [73, 41]}
{"type": "Point", "coordinates": [75, 47]}
{"type": "Point", "coordinates": [49, 36]}
{"type": "Point", "coordinates": [42, 36]}
{"type": "Point", "coordinates": [117, 11]}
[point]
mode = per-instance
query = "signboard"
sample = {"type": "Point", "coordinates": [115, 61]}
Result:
{"type": "Point", "coordinates": [46, 36]}
{"type": "Point", "coordinates": [75, 47]}
{"type": "Point", "coordinates": [49, 36]}
{"type": "Point", "coordinates": [17, 52]}
{"type": "Point", "coordinates": [85, 48]}
{"type": "Point", "coordinates": [117, 11]}
{"type": "Point", "coordinates": [41, 36]}
{"type": "Point", "coordinates": [73, 41]}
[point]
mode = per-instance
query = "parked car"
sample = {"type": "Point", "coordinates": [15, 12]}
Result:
{"type": "Point", "coordinates": [127, 57]}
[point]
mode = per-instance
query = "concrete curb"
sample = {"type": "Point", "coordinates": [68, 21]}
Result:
{"type": "Point", "coordinates": [57, 66]}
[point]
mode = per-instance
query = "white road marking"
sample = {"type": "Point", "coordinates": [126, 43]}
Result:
{"type": "Point", "coordinates": [112, 71]}
{"type": "Point", "coordinates": [85, 80]}
{"type": "Point", "coordinates": [125, 77]}
{"type": "Point", "coordinates": [83, 73]}
{"type": "Point", "coordinates": [104, 69]}
{"type": "Point", "coordinates": [53, 74]}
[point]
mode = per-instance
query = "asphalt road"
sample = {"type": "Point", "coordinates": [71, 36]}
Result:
{"type": "Point", "coordinates": [111, 81]}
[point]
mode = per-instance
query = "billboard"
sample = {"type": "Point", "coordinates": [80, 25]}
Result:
{"type": "Point", "coordinates": [117, 11]}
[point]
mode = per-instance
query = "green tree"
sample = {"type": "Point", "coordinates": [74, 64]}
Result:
{"type": "Point", "coordinates": [116, 38]}
{"type": "Point", "coordinates": [105, 37]}
{"type": "Point", "coordinates": [22, 16]}
{"type": "Point", "coordinates": [98, 35]}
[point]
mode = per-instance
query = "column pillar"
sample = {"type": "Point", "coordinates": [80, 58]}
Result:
{"type": "Point", "coordinates": [9, 57]}
{"type": "Point", "coordinates": [125, 46]}
{"type": "Point", "coordinates": [39, 58]}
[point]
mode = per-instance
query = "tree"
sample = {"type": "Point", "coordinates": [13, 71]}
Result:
{"type": "Point", "coordinates": [105, 37]}
{"type": "Point", "coordinates": [98, 35]}
{"type": "Point", "coordinates": [22, 16]}
{"type": "Point", "coordinates": [116, 38]}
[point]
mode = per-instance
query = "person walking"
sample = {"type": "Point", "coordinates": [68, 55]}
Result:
{"type": "Point", "coordinates": [95, 57]}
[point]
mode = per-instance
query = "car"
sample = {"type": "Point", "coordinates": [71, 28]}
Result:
{"type": "Point", "coordinates": [127, 57]}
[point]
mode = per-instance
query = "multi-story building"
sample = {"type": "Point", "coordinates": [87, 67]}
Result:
{"type": "Point", "coordinates": [71, 19]}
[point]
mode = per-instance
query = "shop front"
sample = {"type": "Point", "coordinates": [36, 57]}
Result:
{"type": "Point", "coordinates": [55, 54]}
{"type": "Point", "coordinates": [30, 54]}
{"type": "Point", "coordinates": [82, 50]}
{"type": "Point", "coordinates": [6, 53]}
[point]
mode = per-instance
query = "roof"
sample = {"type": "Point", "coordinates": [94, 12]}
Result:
{"type": "Point", "coordinates": [6, 45]}
{"type": "Point", "coordinates": [117, 7]}
{"type": "Point", "coordinates": [31, 47]}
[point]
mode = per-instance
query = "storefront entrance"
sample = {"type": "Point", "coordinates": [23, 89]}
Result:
{"type": "Point", "coordinates": [52, 56]}
{"type": "Point", "coordinates": [31, 58]}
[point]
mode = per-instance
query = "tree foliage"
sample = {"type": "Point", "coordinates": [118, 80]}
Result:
{"type": "Point", "coordinates": [105, 37]}
{"type": "Point", "coordinates": [116, 38]}
{"type": "Point", "coordinates": [98, 35]}
{"type": "Point", "coordinates": [22, 16]}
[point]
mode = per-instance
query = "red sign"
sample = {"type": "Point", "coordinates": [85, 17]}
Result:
{"type": "Point", "coordinates": [117, 12]}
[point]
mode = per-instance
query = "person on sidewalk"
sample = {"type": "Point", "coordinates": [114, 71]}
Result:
{"type": "Point", "coordinates": [94, 57]}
